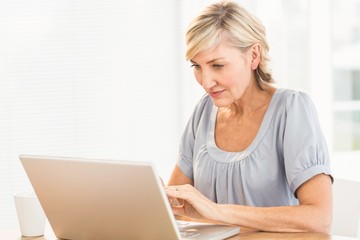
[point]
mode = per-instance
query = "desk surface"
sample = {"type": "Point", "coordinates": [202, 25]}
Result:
{"type": "Point", "coordinates": [14, 234]}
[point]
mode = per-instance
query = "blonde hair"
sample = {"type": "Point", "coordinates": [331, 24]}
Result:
{"type": "Point", "coordinates": [228, 20]}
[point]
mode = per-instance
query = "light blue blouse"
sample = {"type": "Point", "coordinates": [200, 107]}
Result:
{"type": "Point", "coordinates": [288, 150]}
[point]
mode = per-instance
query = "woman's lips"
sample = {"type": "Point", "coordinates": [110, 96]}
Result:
{"type": "Point", "coordinates": [215, 94]}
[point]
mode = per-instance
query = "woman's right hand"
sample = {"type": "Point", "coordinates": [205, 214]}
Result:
{"type": "Point", "coordinates": [183, 208]}
{"type": "Point", "coordinates": [191, 203]}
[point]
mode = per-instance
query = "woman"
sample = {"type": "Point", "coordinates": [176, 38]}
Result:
{"type": "Point", "coordinates": [251, 155]}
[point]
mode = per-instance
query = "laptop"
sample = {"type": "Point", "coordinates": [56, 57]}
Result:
{"type": "Point", "coordinates": [108, 199]}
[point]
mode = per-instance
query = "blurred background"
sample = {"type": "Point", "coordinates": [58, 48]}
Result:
{"type": "Point", "coordinates": [108, 79]}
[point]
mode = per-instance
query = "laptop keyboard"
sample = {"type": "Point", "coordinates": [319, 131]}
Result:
{"type": "Point", "coordinates": [187, 233]}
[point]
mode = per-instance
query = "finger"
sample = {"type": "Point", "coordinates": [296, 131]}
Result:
{"type": "Point", "coordinates": [179, 211]}
{"type": "Point", "coordinates": [172, 191]}
{"type": "Point", "coordinates": [177, 194]}
{"type": "Point", "coordinates": [179, 203]}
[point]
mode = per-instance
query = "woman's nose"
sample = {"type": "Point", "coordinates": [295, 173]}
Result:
{"type": "Point", "coordinates": [208, 80]}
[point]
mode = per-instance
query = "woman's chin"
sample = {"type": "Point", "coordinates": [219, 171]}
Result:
{"type": "Point", "coordinates": [221, 102]}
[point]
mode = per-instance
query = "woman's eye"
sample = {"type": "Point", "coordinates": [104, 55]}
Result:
{"type": "Point", "coordinates": [196, 66]}
{"type": "Point", "coordinates": [218, 66]}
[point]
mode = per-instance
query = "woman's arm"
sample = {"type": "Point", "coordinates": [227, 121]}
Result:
{"type": "Point", "coordinates": [179, 178]}
{"type": "Point", "coordinates": [314, 214]}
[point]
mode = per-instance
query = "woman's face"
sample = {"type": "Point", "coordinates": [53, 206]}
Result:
{"type": "Point", "coordinates": [224, 72]}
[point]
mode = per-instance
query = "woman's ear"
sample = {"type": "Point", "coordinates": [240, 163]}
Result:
{"type": "Point", "coordinates": [255, 55]}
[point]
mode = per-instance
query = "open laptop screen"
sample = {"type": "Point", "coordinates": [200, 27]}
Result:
{"type": "Point", "coordinates": [108, 199]}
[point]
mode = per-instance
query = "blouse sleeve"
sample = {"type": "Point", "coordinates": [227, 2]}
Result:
{"type": "Point", "coordinates": [186, 148]}
{"type": "Point", "coordinates": [305, 150]}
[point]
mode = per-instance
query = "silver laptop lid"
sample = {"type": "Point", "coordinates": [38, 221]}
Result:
{"type": "Point", "coordinates": [101, 199]}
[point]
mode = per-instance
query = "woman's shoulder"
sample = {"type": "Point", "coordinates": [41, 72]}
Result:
{"type": "Point", "coordinates": [294, 105]}
{"type": "Point", "coordinates": [202, 110]}
{"type": "Point", "coordinates": [290, 98]}
{"type": "Point", "coordinates": [203, 104]}
{"type": "Point", "coordinates": [286, 93]}
{"type": "Point", "coordinates": [205, 100]}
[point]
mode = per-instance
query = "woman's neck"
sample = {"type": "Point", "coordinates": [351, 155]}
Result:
{"type": "Point", "coordinates": [253, 100]}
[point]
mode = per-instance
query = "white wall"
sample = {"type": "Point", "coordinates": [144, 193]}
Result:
{"type": "Point", "coordinates": [87, 78]}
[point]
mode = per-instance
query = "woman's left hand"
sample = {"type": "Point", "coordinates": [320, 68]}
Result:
{"type": "Point", "coordinates": [191, 202]}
